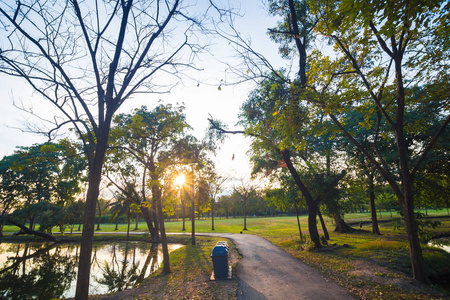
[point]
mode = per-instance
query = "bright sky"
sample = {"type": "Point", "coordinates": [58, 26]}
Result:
{"type": "Point", "coordinates": [200, 101]}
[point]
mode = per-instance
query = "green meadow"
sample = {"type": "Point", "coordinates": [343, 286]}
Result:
{"type": "Point", "coordinates": [370, 266]}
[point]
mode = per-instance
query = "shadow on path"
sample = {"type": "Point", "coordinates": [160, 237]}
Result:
{"type": "Point", "coordinates": [268, 272]}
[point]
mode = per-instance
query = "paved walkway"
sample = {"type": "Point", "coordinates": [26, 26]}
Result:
{"type": "Point", "coordinates": [267, 272]}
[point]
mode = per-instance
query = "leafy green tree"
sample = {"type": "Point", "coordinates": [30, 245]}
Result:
{"type": "Point", "coordinates": [74, 214]}
{"type": "Point", "coordinates": [136, 156]}
{"type": "Point", "coordinates": [356, 76]}
{"type": "Point", "coordinates": [48, 173]}
{"type": "Point", "coordinates": [191, 156]}
{"type": "Point", "coordinates": [288, 134]}
{"type": "Point", "coordinates": [364, 35]}
{"type": "Point", "coordinates": [287, 197]}
{"type": "Point", "coordinates": [228, 205]}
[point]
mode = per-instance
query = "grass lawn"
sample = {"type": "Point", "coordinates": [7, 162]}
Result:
{"type": "Point", "coordinates": [371, 267]}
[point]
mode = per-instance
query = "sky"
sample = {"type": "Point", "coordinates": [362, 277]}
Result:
{"type": "Point", "coordinates": [201, 97]}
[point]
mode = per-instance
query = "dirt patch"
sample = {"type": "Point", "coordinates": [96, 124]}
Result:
{"type": "Point", "coordinates": [378, 274]}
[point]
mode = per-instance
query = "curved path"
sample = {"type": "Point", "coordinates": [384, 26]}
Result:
{"type": "Point", "coordinates": [267, 272]}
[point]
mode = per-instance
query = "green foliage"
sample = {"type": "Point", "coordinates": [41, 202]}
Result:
{"type": "Point", "coordinates": [38, 182]}
{"type": "Point", "coordinates": [50, 172]}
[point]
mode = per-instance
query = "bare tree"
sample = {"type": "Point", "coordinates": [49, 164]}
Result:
{"type": "Point", "coordinates": [245, 189]}
{"type": "Point", "coordinates": [86, 59]}
{"type": "Point", "coordinates": [215, 185]}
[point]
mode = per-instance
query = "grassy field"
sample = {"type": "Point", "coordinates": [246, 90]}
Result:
{"type": "Point", "coordinates": [370, 266]}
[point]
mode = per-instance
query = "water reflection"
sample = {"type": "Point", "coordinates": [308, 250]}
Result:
{"type": "Point", "coordinates": [35, 271]}
{"type": "Point", "coordinates": [45, 271]}
{"type": "Point", "coordinates": [443, 243]}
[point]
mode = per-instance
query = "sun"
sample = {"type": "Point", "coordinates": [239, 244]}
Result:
{"type": "Point", "coordinates": [179, 180]}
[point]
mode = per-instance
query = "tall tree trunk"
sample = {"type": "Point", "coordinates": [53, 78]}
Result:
{"type": "Point", "coordinates": [298, 222]}
{"type": "Point", "coordinates": [418, 264]}
{"type": "Point", "coordinates": [148, 219]}
{"type": "Point", "coordinates": [184, 213]}
{"type": "Point", "coordinates": [95, 176]}
{"type": "Point", "coordinates": [84, 264]}
{"type": "Point", "coordinates": [157, 208]}
{"type": "Point", "coordinates": [312, 224]}
{"type": "Point", "coordinates": [312, 205]}
{"type": "Point", "coordinates": [341, 226]}
{"type": "Point", "coordinates": [415, 250]}
{"type": "Point", "coordinates": [31, 219]}
{"type": "Point", "coordinates": [154, 210]}
{"type": "Point", "coordinates": [212, 214]}
{"type": "Point", "coordinates": [146, 213]}
{"type": "Point", "coordinates": [245, 213]}
{"type": "Point", "coordinates": [99, 215]}
{"type": "Point", "coordinates": [322, 223]}
{"type": "Point", "coordinates": [192, 207]}
{"type": "Point", "coordinates": [373, 211]}
{"type": "Point", "coordinates": [166, 261]}
{"type": "Point", "coordinates": [136, 227]}
{"type": "Point", "coordinates": [128, 222]}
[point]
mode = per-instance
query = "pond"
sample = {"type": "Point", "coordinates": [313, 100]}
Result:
{"type": "Point", "coordinates": [443, 243]}
{"type": "Point", "coordinates": [46, 271]}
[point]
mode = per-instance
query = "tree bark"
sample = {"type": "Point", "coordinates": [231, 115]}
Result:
{"type": "Point", "coordinates": [117, 223]}
{"type": "Point", "coordinates": [212, 214]}
{"type": "Point", "coordinates": [324, 227]}
{"type": "Point", "coordinates": [154, 210]}
{"type": "Point", "coordinates": [341, 226]}
{"type": "Point", "coordinates": [192, 208]}
{"type": "Point", "coordinates": [245, 213]}
{"type": "Point", "coordinates": [415, 250]}
{"type": "Point", "coordinates": [148, 219]}
{"type": "Point", "coordinates": [99, 215]}
{"type": "Point", "coordinates": [136, 227]}
{"type": "Point", "coordinates": [95, 176]}
{"type": "Point", "coordinates": [312, 225]}
{"type": "Point", "coordinates": [312, 205]}
{"type": "Point", "coordinates": [373, 211]}
{"type": "Point", "coordinates": [184, 213]}
{"type": "Point", "coordinates": [84, 264]}
{"type": "Point", "coordinates": [298, 222]}
{"type": "Point", "coordinates": [128, 222]}
{"type": "Point", "coordinates": [166, 261]}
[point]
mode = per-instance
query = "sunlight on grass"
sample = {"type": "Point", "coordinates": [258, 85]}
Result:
{"type": "Point", "coordinates": [381, 245]}
{"type": "Point", "coordinates": [337, 260]}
